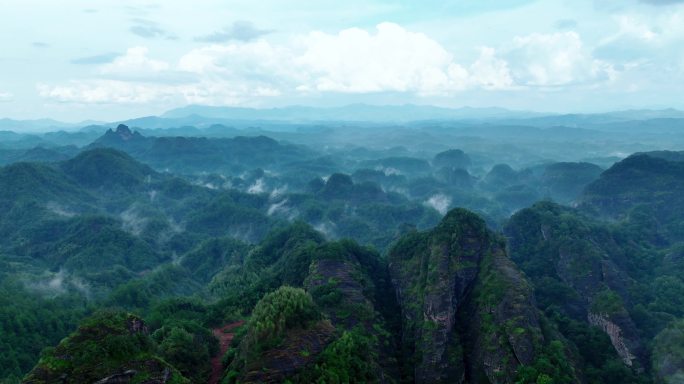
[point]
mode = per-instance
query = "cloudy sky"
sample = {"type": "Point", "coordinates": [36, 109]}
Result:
{"type": "Point", "coordinates": [113, 59]}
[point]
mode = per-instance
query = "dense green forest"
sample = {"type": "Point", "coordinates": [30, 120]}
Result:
{"type": "Point", "coordinates": [146, 259]}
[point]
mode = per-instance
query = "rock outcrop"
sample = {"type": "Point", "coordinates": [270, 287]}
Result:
{"type": "Point", "coordinates": [557, 244]}
{"type": "Point", "coordinates": [109, 348]}
{"type": "Point", "coordinates": [468, 313]}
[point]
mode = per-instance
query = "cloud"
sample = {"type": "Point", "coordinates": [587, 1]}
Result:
{"type": "Point", "coordinates": [54, 284]}
{"type": "Point", "coordinates": [6, 97]}
{"type": "Point", "coordinates": [40, 44]}
{"type": "Point", "coordinates": [113, 91]}
{"type": "Point", "coordinates": [101, 91]}
{"type": "Point", "coordinates": [386, 59]}
{"type": "Point", "coordinates": [150, 30]}
{"type": "Point", "coordinates": [96, 59]}
{"type": "Point", "coordinates": [239, 30]}
{"type": "Point", "coordinates": [439, 202]}
{"type": "Point", "coordinates": [134, 62]}
{"type": "Point", "coordinates": [490, 72]}
{"type": "Point", "coordinates": [645, 40]}
{"type": "Point", "coordinates": [551, 60]}
{"type": "Point", "coordinates": [390, 59]}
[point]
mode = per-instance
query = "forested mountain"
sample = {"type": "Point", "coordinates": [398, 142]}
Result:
{"type": "Point", "coordinates": [251, 259]}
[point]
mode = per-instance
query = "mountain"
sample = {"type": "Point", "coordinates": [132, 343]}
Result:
{"type": "Point", "coordinates": [463, 311]}
{"type": "Point", "coordinates": [201, 154]}
{"type": "Point", "coordinates": [252, 259]}
{"type": "Point", "coordinates": [33, 126]}
{"type": "Point", "coordinates": [110, 347]}
{"type": "Point", "coordinates": [107, 168]}
{"type": "Point", "coordinates": [468, 314]}
{"type": "Point", "coordinates": [591, 277]}
{"type": "Point", "coordinates": [38, 182]}
{"type": "Point", "coordinates": [355, 112]}
{"type": "Point", "coordinates": [642, 184]}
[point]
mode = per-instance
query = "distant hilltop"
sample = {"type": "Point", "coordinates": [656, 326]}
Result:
{"type": "Point", "coordinates": [201, 116]}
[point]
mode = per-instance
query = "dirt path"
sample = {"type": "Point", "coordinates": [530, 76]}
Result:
{"type": "Point", "coordinates": [225, 337]}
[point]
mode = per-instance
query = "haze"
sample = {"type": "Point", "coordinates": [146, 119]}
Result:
{"type": "Point", "coordinates": [110, 60]}
{"type": "Point", "coordinates": [465, 191]}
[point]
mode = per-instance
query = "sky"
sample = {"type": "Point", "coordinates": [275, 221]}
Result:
{"type": "Point", "coordinates": [76, 60]}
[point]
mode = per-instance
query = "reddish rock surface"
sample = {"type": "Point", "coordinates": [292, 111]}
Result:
{"type": "Point", "coordinates": [225, 337]}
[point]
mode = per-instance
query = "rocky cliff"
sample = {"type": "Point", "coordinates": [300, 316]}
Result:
{"type": "Point", "coordinates": [558, 247]}
{"type": "Point", "coordinates": [468, 314]}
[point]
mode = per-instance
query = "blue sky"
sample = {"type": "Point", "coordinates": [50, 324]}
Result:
{"type": "Point", "coordinates": [109, 60]}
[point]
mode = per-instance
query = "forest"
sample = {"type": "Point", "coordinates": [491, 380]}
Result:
{"type": "Point", "coordinates": [241, 255]}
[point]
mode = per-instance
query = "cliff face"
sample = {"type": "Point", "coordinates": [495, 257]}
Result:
{"type": "Point", "coordinates": [553, 243]}
{"type": "Point", "coordinates": [346, 292]}
{"type": "Point", "coordinates": [348, 285]}
{"type": "Point", "coordinates": [501, 322]}
{"type": "Point", "coordinates": [468, 314]}
{"type": "Point", "coordinates": [299, 348]}
{"type": "Point", "coordinates": [432, 272]}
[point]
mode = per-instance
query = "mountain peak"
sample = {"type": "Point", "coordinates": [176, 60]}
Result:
{"type": "Point", "coordinates": [124, 132]}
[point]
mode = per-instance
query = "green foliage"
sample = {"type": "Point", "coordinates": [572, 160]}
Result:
{"type": "Point", "coordinates": [550, 367]}
{"type": "Point", "coordinates": [280, 310]}
{"type": "Point", "coordinates": [212, 255]}
{"type": "Point", "coordinates": [668, 353]}
{"type": "Point", "coordinates": [188, 347]}
{"type": "Point", "coordinates": [645, 179]}
{"type": "Point", "coordinates": [140, 294]}
{"type": "Point", "coordinates": [104, 344]}
{"type": "Point", "coordinates": [607, 302]}
{"type": "Point", "coordinates": [346, 360]}
{"type": "Point", "coordinates": [107, 168]}
{"type": "Point", "coordinates": [29, 322]}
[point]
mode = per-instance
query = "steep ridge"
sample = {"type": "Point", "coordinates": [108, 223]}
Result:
{"type": "Point", "coordinates": [468, 314]}
{"type": "Point", "coordinates": [582, 274]}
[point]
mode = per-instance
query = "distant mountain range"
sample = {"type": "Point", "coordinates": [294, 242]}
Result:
{"type": "Point", "coordinates": [205, 116]}
{"type": "Point", "coordinates": [354, 112]}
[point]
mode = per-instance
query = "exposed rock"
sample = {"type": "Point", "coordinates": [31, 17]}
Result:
{"type": "Point", "coordinates": [124, 132]}
{"type": "Point", "coordinates": [432, 272]}
{"type": "Point", "coordinates": [136, 325]}
{"type": "Point", "coordinates": [568, 248]}
{"type": "Point", "coordinates": [346, 280]}
{"type": "Point", "coordinates": [469, 315]}
{"type": "Point", "coordinates": [299, 348]}
{"type": "Point", "coordinates": [500, 322]}
{"type": "Point", "coordinates": [118, 378]}
{"type": "Point", "coordinates": [615, 334]}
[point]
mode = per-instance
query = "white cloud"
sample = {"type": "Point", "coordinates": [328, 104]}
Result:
{"type": "Point", "coordinates": [554, 60]}
{"type": "Point", "coordinates": [644, 39]}
{"type": "Point", "coordinates": [6, 96]}
{"type": "Point", "coordinates": [107, 91]}
{"type": "Point", "coordinates": [134, 62]}
{"type": "Point", "coordinates": [439, 202]}
{"type": "Point", "coordinates": [252, 61]}
{"type": "Point", "coordinates": [490, 72]}
{"type": "Point", "coordinates": [391, 59]}
{"type": "Point", "coordinates": [388, 58]}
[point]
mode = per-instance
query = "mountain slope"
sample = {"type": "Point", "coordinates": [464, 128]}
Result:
{"type": "Point", "coordinates": [468, 314]}
{"type": "Point", "coordinates": [107, 348]}
{"type": "Point", "coordinates": [648, 182]}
